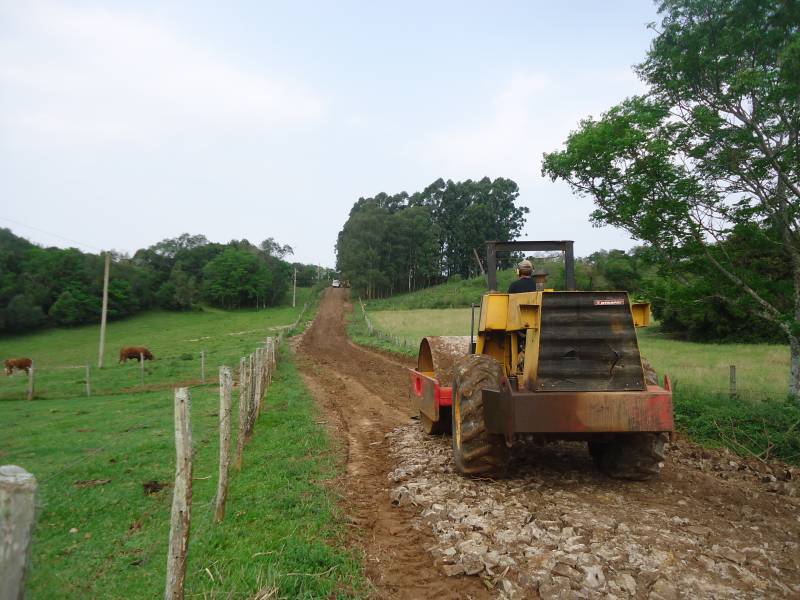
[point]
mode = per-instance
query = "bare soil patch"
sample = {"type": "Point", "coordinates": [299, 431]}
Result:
{"type": "Point", "coordinates": [364, 396]}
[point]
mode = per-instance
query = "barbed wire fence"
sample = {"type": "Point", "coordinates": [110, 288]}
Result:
{"type": "Point", "coordinates": [48, 382]}
{"type": "Point", "coordinates": [20, 488]}
{"type": "Point", "coordinates": [375, 332]}
{"type": "Point", "coordinates": [253, 383]}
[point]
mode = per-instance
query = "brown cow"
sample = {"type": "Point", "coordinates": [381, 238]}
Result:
{"type": "Point", "coordinates": [135, 352]}
{"type": "Point", "coordinates": [21, 364]}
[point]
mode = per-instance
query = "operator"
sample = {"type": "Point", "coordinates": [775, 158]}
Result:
{"type": "Point", "coordinates": [525, 282]}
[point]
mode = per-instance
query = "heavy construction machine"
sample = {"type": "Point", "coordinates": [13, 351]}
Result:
{"type": "Point", "coordinates": [545, 366]}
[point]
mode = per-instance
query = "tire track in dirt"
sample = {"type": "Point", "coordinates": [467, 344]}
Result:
{"type": "Point", "coordinates": [364, 396]}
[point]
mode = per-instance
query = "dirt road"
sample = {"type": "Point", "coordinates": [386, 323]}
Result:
{"type": "Point", "coordinates": [714, 525]}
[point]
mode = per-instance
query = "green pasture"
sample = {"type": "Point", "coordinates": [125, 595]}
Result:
{"type": "Point", "coordinates": [759, 420]}
{"type": "Point", "coordinates": [99, 535]}
{"type": "Point", "coordinates": [175, 339]}
{"type": "Point", "coordinates": [454, 293]}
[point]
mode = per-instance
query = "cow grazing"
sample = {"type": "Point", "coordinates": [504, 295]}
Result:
{"type": "Point", "coordinates": [135, 352]}
{"type": "Point", "coordinates": [21, 364]}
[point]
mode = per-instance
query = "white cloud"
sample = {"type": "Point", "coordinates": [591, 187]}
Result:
{"type": "Point", "coordinates": [505, 140]}
{"type": "Point", "coordinates": [530, 114]}
{"type": "Point", "coordinates": [77, 75]}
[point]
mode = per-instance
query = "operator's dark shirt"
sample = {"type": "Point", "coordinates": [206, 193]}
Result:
{"type": "Point", "coordinates": [523, 284]}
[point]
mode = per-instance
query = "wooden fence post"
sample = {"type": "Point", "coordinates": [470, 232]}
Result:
{"type": "Point", "coordinates": [259, 380]}
{"type": "Point", "coordinates": [141, 366]}
{"type": "Point", "coordinates": [242, 414]}
{"type": "Point", "coordinates": [202, 366]}
{"type": "Point", "coordinates": [225, 388]}
{"type": "Point", "coordinates": [181, 498]}
{"type": "Point", "coordinates": [251, 395]}
{"type": "Point", "coordinates": [17, 518]}
{"type": "Point", "coordinates": [267, 364]}
{"type": "Point", "coordinates": [31, 389]}
{"type": "Point", "coordinates": [733, 382]}
{"type": "Point", "coordinates": [88, 382]}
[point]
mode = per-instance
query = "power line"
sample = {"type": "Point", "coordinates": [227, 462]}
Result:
{"type": "Point", "coordinates": [50, 233]}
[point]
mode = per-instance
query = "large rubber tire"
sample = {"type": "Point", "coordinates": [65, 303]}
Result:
{"type": "Point", "coordinates": [475, 451]}
{"type": "Point", "coordinates": [634, 456]}
{"type": "Point", "coordinates": [443, 425]}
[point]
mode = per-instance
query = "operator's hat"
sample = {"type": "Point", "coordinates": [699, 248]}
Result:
{"type": "Point", "coordinates": [525, 266]}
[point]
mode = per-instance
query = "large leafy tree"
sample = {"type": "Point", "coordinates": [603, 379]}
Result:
{"type": "Point", "coordinates": [236, 278]}
{"type": "Point", "coordinates": [398, 242]}
{"type": "Point", "coordinates": [710, 152]}
{"type": "Point", "coordinates": [467, 214]}
{"type": "Point", "coordinates": [362, 256]}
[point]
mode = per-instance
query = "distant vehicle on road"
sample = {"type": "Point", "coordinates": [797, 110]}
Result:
{"type": "Point", "coordinates": [335, 283]}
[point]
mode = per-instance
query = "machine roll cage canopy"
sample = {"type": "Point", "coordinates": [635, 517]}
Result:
{"type": "Point", "coordinates": [565, 246]}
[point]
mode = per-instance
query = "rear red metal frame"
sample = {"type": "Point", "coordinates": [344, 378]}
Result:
{"type": "Point", "coordinates": [443, 395]}
{"type": "Point", "coordinates": [511, 411]}
{"type": "Point", "coordinates": [508, 411]}
{"type": "Point", "coordinates": [428, 395]}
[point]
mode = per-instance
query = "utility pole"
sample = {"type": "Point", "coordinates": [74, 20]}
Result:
{"type": "Point", "coordinates": [294, 289]}
{"type": "Point", "coordinates": [105, 310]}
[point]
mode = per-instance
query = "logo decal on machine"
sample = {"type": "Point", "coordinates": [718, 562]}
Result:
{"type": "Point", "coordinates": [611, 302]}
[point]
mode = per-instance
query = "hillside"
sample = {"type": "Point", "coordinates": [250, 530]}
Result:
{"type": "Point", "coordinates": [455, 293]}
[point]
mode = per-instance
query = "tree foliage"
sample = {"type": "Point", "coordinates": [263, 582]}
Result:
{"type": "Point", "coordinates": [236, 278]}
{"type": "Point", "coordinates": [705, 166]}
{"type": "Point", "coordinates": [393, 243]}
{"type": "Point", "coordinates": [52, 286]}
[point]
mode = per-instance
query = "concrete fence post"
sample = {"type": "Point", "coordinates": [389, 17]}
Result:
{"type": "Point", "coordinates": [181, 498]}
{"type": "Point", "coordinates": [141, 366]}
{"type": "Point", "coordinates": [88, 382]}
{"type": "Point", "coordinates": [17, 518]}
{"type": "Point", "coordinates": [202, 366]}
{"type": "Point", "coordinates": [225, 389]}
{"type": "Point", "coordinates": [733, 382]}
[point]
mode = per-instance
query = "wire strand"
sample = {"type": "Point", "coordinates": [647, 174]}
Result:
{"type": "Point", "coordinates": [50, 233]}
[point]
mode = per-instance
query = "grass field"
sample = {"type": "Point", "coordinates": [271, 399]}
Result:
{"type": "Point", "coordinates": [175, 339]}
{"type": "Point", "coordinates": [760, 421]}
{"type": "Point", "coordinates": [455, 293]}
{"type": "Point", "coordinates": [108, 539]}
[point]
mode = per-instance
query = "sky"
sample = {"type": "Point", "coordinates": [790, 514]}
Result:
{"type": "Point", "coordinates": [122, 124]}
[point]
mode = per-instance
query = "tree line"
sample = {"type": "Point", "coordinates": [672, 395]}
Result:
{"type": "Point", "coordinates": [686, 299]}
{"type": "Point", "coordinates": [399, 243]}
{"type": "Point", "coordinates": [63, 287]}
{"type": "Point", "coordinates": [402, 242]}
